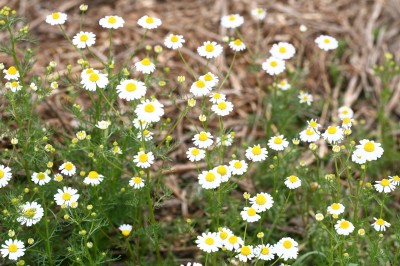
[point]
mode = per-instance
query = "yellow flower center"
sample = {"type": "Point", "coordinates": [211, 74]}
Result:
{"type": "Point", "coordinates": [195, 152]}
{"type": "Point", "coordinates": [260, 11]}
{"type": "Point", "coordinates": [146, 132]}
{"type": "Point", "coordinates": [68, 166]}
{"type": "Point", "coordinates": [346, 120]}
{"type": "Point", "coordinates": [222, 106]}
{"type": "Point", "coordinates": [273, 63]}
{"type": "Point", "coordinates": [210, 177]}
{"type": "Point", "coordinates": [312, 123]}
{"type": "Point", "coordinates": [237, 42]}
{"type": "Point", "coordinates": [326, 40]}
{"type": "Point", "coordinates": [55, 15]}
{"type": "Point", "coordinates": [292, 178]}
{"type": "Point", "coordinates": [126, 232]}
{"type": "Point", "coordinates": [93, 175]}
{"type": "Point", "coordinates": [395, 178]}
{"type": "Point", "coordinates": [335, 206]}
{"type": "Point", "coordinates": [287, 244]}
{"type": "Point", "coordinates": [149, 108]}
{"type": "Point", "coordinates": [237, 165]}
{"type": "Point", "coordinates": [223, 235]}
{"type": "Point", "coordinates": [282, 49]}
{"type": "Point", "coordinates": [332, 130]}
{"type": "Point", "coordinates": [251, 212]}
{"type": "Point", "coordinates": [385, 182]}
{"type": "Point", "coordinates": [344, 224]}
{"type": "Point", "coordinates": [265, 251]}
{"type": "Point", "coordinates": [112, 20]}
{"type": "Point", "coordinates": [245, 251]}
{"type": "Point", "coordinates": [41, 176]}
{"type": "Point", "coordinates": [14, 84]}
{"type": "Point", "coordinates": [261, 199]}
{"type": "Point", "coordinates": [369, 146]}
{"type": "Point", "coordinates": [208, 77]}
{"type": "Point", "coordinates": [232, 18]}
{"type": "Point", "coordinates": [143, 158]}
{"type": "Point", "coordinates": [209, 241]}
{"type": "Point", "coordinates": [309, 132]}
{"type": "Point", "coordinates": [116, 149]}
{"type": "Point", "coordinates": [174, 38]}
{"type": "Point", "coordinates": [209, 47]}
{"type": "Point", "coordinates": [233, 239]}
{"type": "Point", "coordinates": [84, 38]}
{"type": "Point", "coordinates": [221, 170]}
{"type": "Point", "coordinates": [146, 62]}
{"type": "Point", "coordinates": [30, 213]}
{"type": "Point", "coordinates": [278, 140]}
{"type": "Point", "coordinates": [94, 77]}
{"type": "Point", "coordinates": [12, 248]}
{"type": "Point", "coordinates": [203, 136]}
{"type": "Point", "coordinates": [380, 222]}
{"type": "Point", "coordinates": [12, 70]}
{"type": "Point", "coordinates": [137, 180]}
{"type": "Point", "coordinates": [200, 84]}
{"type": "Point", "coordinates": [66, 196]}
{"type": "Point", "coordinates": [130, 87]}
{"type": "Point", "coordinates": [1, 174]}
{"type": "Point", "coordinates": [256, 150]}
{"type": "Point", "coordinates": [282, 82]}
{"type": "Point", "coordinates": [149, 20]}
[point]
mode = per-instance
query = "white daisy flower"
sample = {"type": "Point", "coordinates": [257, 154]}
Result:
{"type": "Point", "coordinates": [262, 202]}
{"type": "Point", "coordinates": [84, 39]}
{"type": "Point", "coordinates": [259, 13]}
{"type": "Point", "coordinates": [208, 242]}
{"type": "Point", "coordinates": [40, 178]}
{"type": "Point", "coordinates": [369, 150]}
{"type": "Point", "coordinates": [384, 185]}
{"type": "Point", "coordinates": [227, 140]}
{"type": "Point", "coordinates": [344, 227]}
{"type": "Point", "coordinates": [31, 213]}
{"type": "Point", "coordinates": [326, 42]}
{"type": "Point", "coordinates": [313, 124]}
{"type": "Point", "coordinates": [305, 97]}
{"type": "Point", "coordinates": [210, 50]}
{"type": "Point", "coordinates": [136, 182]}
{"type": "Point", "coordinates": [199, 88]}
{"type": "Point", "coordinates": [116, 150]}
{"type": "Point", "coordinates": [91, 79]}
{"type": "Point", "coordinates": [174, 41]}
{"type": "Point", "coordinates": [273, 66]}
{"type": "Point", "coordinates": [286, 248]}
{"type": "Point", "coordinates": [222, 108]}
{"type": "Point", "coordinates": [233, 243]}
{"type": "Point", "coordinates": [250, 215]}
{"type": "Point", "coordinates": [66, 196]}
{"type": "Point", "coordinates": [13, 249]}
{"type": "Point", "coordinates": [264, 252]}
{"type": "Point", "coordinates": [283, 85]}
{"type": "Point", "coordinates": [245, 253]}
{"type": "Point", "coordinates": [11, 73]}
{"type": "Point", "coordinates": [14, 86]}
{"type": "Point", "coordinates": [93, 178]}
{"type": "Point", "coordinates": [232, 21]}
{"type": "Point", "coordinates": [5, 175]}
{"type": "Point", "coordinates": [215, 97]}
{"type": "Point", "coordinates": [380, 224]}
{"type": "Point", "coordinates": [68, 169]}
{"type": "Point", "coordinates": [237, 45]}
{"type": "Point", "coordinates": [56, 18]}
{"type": "Point", "coordinates": [125, 229]}
{"type": "Point", "coordinates": [347, 122]}
{"type": "Point", "coordinates": [140, 124]}
{"type": "Point", "coordinates": [150, 110]}
{"type": "Point", "coordinates": [131, 89]}
{"type": "Point", "coordinates": [256, 153]}
{"type": "Point", "coordinates": [358, 156]}
{"type": "Point", "coordinates": [345, 111]}
{"type": "Point", "coordinates": [103, 124]}
{"type": "Point", "coordinates": [293, 182]}
{"type": "Point", "coordinates": [282, 50]}
{"type": "Point", "coordinates": [223, 234]}
{"type": "Point", "coordinates": [278, 143]}
{"type": "Point", "coordinates": [203, 140]}
{"type": "Point", "coordinates": [143, 159]}
{"type": "Point", "coordinates": [335, 208]}
{"type": "Point", "coordinates": [319, 216]}
{"type": "Point", "coordinates": [58, 178]}
{"type": "Point", "coordinates": [210, 79]}
{"type": "Point", "coordinates": [147, 135]}
{"type": "Point", "coordinates": [395, 180]}
{"type": "Point", "coordinates": [149, 22]}
{"type": "Point", "coordinates": [194, 154]}
{"type": "Point", "coordinates": [145, 66]}
{"type": "Point", "coordinates": [224, 171]}
{"type": "Point", "coordinates": [310, 135]}
{"type": "Point", "coordinates": [238, 167]}
{"type": "Point", "coordinates": [111, 22]}
{"type": "Point", "coordinates": [81, 135]}
{"type": "Point", "coordinates": [209, 179]}
{"type": "Point", "coordinates": [333, 134]}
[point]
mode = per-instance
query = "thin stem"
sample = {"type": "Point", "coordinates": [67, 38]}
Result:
{"type": "Point", "coordinates": [187, 65]}
{"type": "Point", "coordinates": [229, 72]}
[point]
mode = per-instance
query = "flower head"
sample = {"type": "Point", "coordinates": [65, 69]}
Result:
{"type": "Point", "coordinates": [149, 23]}
{"type": "Point", "coordinates": [262, 201]}
{"type": "Point", "coordinates": [209, 179]}
{"type": "Point", "coordinates": [136, 182]}
{"type": "Point", "coordinates": [286, 248]}
{"type": "Point", "coordinates": [5, 175]}
{"type": "Point", "coordinates": [11, 73]}
{"type": "Point", "coordinates": [208, 242]}
{"type": "Point", "coordinates": [56, 18]}
{"type": "Point", "coordinates": [125, 229]}
{"type": "Point", "coordinates": [31, 213]}
{"type": "Point", "coordinates": [278, 143]}
{"type": "Point", "coordinates": [112, 22]}
{"type": "Point", "coordinates": [282, 50]}
{"type": "Point", "coordinates": [66, 196]}
{"type": "Point", "coordinates": [259, 13]}
{"type": "Point", "coordinates": [91, 79]}
{"type": "Point", "coordinates": [238, 167]}
{"type": "Point", "coordinates": [256, 153]}
{"type": "Point", "coordinates": [84, 39]}
{"type": "Point", "coordinates": [67, 168]}
{"type": "Point", "coordinates": [273, 66]}
{"type": "Point", "coordinates": [145, 66]}
{"type": "Point", "coordinates": [232, 21]}
{"type": "Point", "coordinates": [384, 185]}
{"type": "Point", "coordinates": [203, 139]}
{"type": "Point", "coordinates": [293, 182]}
{"type": "Point", "coordinates": [40, 178]}
{"type": "Point", "coordinates": [222, 107]}
{"type": "Point", "coordinates": [250, 215]}
{"type": "Point", "coordinates": [13, 249]}
{"type": "Point", "coordinates": [237, 45]}
{"type": "Point", "coordinates": [143, 159]}
{"type": "Point", "coordinates": [131, 89]}
{"type": "Point", "coordinates": [344, 227]}
{"type": "Point", "coordinates": [210, 50]}
{"type": "Point", "coordinates": [245, 253]}
{"type": "Point", "coordinates": [93, 178]}
{"type": "Point", "coordinates": [149, 110]}
{"type": "Point", "coordinates": [326, 42]}
{"type": "Point", "coordinates": [174, 41]}
{"type": "Point", "coordinates": [380, 224]}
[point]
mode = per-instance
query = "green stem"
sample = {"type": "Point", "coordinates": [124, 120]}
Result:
{"type": "Point", "coordinates": [187, 65]}
{"type": "Point", "coordinates": [228, 73]}
{"type": "Point", "coordinates": [46, 224]}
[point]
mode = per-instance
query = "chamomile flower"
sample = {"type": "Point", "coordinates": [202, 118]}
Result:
{"type": "Point", "coordinates": [84, 39]}
{"type": "Point", "coordinates": [14, 86]}
{"type": "Point", "coordinates": [91, 79]}
{"type": "Point", "coordinates": [345, 111]}
{"type": "Point", "coordinates": [313, 124]}
{"type": "Point", "coordinates": [209, 179]}
{"type": "Point", "coordinates": [112, 22]}
{"type": "Point", "coordinates": [293, 182]}
{"type": "Point", "coordinates": [278, 143]}
{"type": "Point", "coordinates": [384, 185]}
{"type": "Point", "coordinates": [215, 97]}
{"type": "Point", "coordinates": [68, 169]}
{"type": "Point", "coordinates": [149, 22]}
{"type": "Point", "coordinates": [367, 150]}
{"type": "Point", "coordinates": [222, 108]}
{"type": "Point", "coordinates": [262, 202]}
{"type": "Point", "coordinates": [150, 110]}
{"type": "Point", "coordinates": [237, 45]}
{"type": "Point", "coordinates": [232, 21]}
{"type": "Point", "coordinates": [146, 135]}
{"type": "Point", "coordinates": [208, 242]}
{"type": "Point", "coordinates": [395, 180]}
{"type": "Point", "coordinates": [40, 178]}
{"type": "Point", "coordinates": [192, 264]}
{"type": "Point", "coordinates": [245, 253]}
{"type": "Point", "coordinates": [283, 85]}
{"type": "Point", "coordinates": [203, 140]}
{"type": "Point", "coordinates": [81, 135]}
{"type": "Point", "coordinates": [31, 213]}
{"type": "Point", "coordinates": [256, 153]}
{"type": "Point", "coordinates": [233, 242]}
{"type": "Point", "coordinates": [210, 79]}
{"type": "Point", "coordinates": [174, 41]}
{"type": "Point", "coordinates": [131, 89]}
{"type": "Point", "coordinates": [273, 66]}
{"type": "Point", "coordinates": [264, 252]}
{"type": "Point", "coordinates": [250, 215]}
{"type": "Point", "coordinates": [200, 88]}
{"type": "Point", "coordinates": [5, 175]}
{"type": "Point", "coordinates": [66, 196]}
{"type": "Point", "coordinates": [125, 229]}
{"type": "Point", "coordinates": [335, 208]}
{"type": "Point", "coordinates": [116, 150]}
{"type": "Point", "coordinates": [103, 124]}
{"type": "Point", "coordinates": [326, 42]}
{"type": "Point", "coordinates": [145, 66]}
{"type": "Point", "coordinates": [143, 159]}
{"type": "Point", "coordinates": [210, 50]}
{"type": "Point", "coordinates": [224, 171]}
{"type": "Point", "coordinates": [13, 249]}
{"type": "Point", "coordinates": [93, 178]}
{"type": "Point", "coordinates": [305, 97]}
{"type": "Point", "coordinates": [319, 217]}
{"type": "Point", "coordinates": [57, 18]}
{"type": "Point", "coordinates": [140, 124]}
{"type": "Point", "coordinates": [223, 234]}
{"type": "Point", "coordinates": [286, 248]}
{"type": "Point", "coordinates": [333, 134]}
{"type": "Point", "coordinates": [310, 135]}
{"type": "Point", "coordinates": [194, 154]}
{"type": "Point", "coordinates": [347, 122]}
{"type": "Point", "coordinates": [238, 167]}
{"type": "Point", "coordinates": [344, 227]}
{"type": "Point", "coordinates": [380, 224]}
{"type": "Point", "coordinates": [58, 178]}
{"type": "Point", "coordinates": [11, 73]}
{"type": "Point", "coordinates": [136, 182]}
{"type": "Point", "coordinates": [282, 50]}
{"type": "Point", "coordinates": [226, 141]}
{"type": "Point", "coordinates": [259, 13]}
